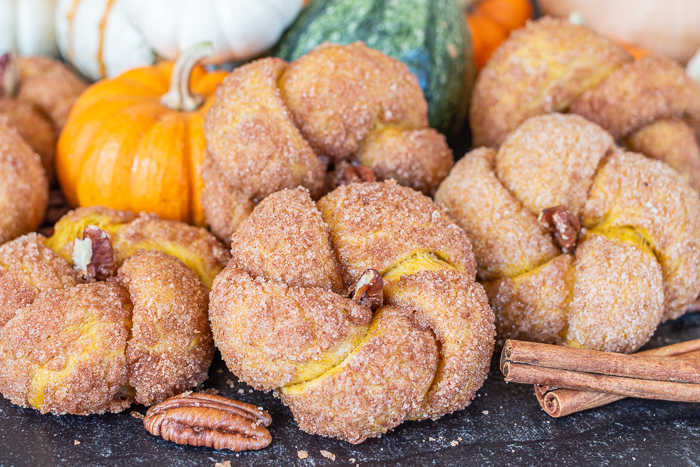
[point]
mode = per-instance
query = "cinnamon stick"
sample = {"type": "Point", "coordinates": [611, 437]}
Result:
{"type": "Point", "coordinates": [561, 402]}
{"type": "Point", "coordinates": [639, 366]}
{"type": "Point", "coordinates": [624, 386]}
{"type": "Point", "coordinates": [645, 376]}
{"type": "Point", "coordinates": [558, 402]}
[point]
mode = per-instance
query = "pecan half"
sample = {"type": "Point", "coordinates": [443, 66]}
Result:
{"type": "Point", "coordinates": [369, 289]}
{"type": "Point", "coordinates": [93, 256]}
{"type": "Point", "coordinates": [346, 173]}
{"type": "Point", "coordinates": [9, 75]}
{"type": "Point", "coordinates": [207, 420]}
{"type": "Point", "coordinates": [563, 224]}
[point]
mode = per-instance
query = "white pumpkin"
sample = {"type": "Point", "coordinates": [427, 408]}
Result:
{"type": "Point", "coordinates": [693, 67]}
{"type": "Point", "coordinates": [238, 29]}
{"type": "Point", "coordinates": [97, 39]}
{"type": "Point", "coordinates": [667, 27]}
{"type": "Point", "coordinates": [26, 27]}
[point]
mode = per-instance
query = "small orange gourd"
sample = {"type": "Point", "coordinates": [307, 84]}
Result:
{"type": "Point", "coordinates": [634, 50]}
{"type": "Point", "coordinates": [491, 21]}
{"type": "Point", "coordinates": [136, 142]}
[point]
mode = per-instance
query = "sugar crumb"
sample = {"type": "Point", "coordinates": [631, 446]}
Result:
{"type": "Point", "coordinates": [230, 383]}
{"type": "Point", "coordinates": [302, 454]}
{"type": "Point", "coordinates": [327, 455]}
{"type": "Point", "coordinates": [485, 412]}
{"type": "Point", "coordinates": [223, 464]}
{"type": "Point", "coordinates": [137, 415]}
{"type": "Point", "coordinates": [454, 443]}
{"type": "Point", "coordinates": [76, 442]}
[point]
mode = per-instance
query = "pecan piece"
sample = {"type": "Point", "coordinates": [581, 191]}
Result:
{"type": "Point", "coordinates": [93, 256]}
{"type": "Point", "coordinates": [346, 173]}
{"type": "Point", "coordinates": [369, 289]}
{"type": "Point", "coordinates": [9, 75]}
{"type": "Point", "coordinates": [207, 420]}
{"type": "Point", "coordinates": [563, 224]}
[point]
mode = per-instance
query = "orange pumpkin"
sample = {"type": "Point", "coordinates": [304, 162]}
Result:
{"type": "Point", "coordinates": [136, 142]}
{"type": "Point", "coordinates": [634, 50]}
{"type": "Point", "coordinates": [491, 21]}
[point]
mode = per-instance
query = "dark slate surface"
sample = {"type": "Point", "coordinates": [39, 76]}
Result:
{"type": "Point", "coordinates": [503, 426]}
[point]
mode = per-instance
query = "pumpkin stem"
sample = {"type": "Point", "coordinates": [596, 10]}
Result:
{"type": "Point", "coordinates": [9, 75]}
{"type": "Point", "coordinates": [576, 17]}
{"type": "Point", "coordinates": [180, 96]}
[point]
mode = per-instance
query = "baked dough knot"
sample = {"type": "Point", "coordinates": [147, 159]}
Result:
{"type": "Point", "coordinates": [278, 125]}
{"type": "Point", "coordinates": [24, 188]}
{"type": "Point", "coordinates": [638, 255]}
{"type": "Point", "coordinates": [651, 104]}
{"type": "Point", "coordinates": [72, 343]}
{"type": "Point", "coordinates": [282, 319]}
{"type": "Point", "coordinates": [36, 94]}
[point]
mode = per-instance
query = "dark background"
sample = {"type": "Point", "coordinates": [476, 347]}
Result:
{"type": "Point", "coordinates": [503, 426]}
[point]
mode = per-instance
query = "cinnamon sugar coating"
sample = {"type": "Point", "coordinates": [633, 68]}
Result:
{"type": "Point", "coordinates": [561, 152]}
{"type": "Point", "coordinates": [272, 334]}
{"type": "Point", "coordinates": [171, 345]}
{"type": "Point", "coordinates": [638, 258]}
{"type": "Point", "coordinates": [194, 246]}
{"type": "Point", "coordinates": [49, 86]}
{"type": "Point", "coordinates": [140, 336]}
{"type": "Point", "coordinates": [541, 68]}
{"type": "Point", "coordinates": [617, 287]}
{"type": "Point", "coordinates": [393, 153]}
{"type": "Point", "coordinates": [251, 136]}
{"type": "Point", "coordinates": [280, 322]}
{"type": "Point", "coordinates": [648, 197]}
{"type": "Point", "coordinates": [28, 268]}
{"type": "Point", "coordinates": [71, 225]}
{"type": "Point", "coordinates": [278, 125]}
{"type": "Point", "coordinates": [672, 141]}
{"type": "Point", "coordinates": [456, 309]}
{"type": "Point", "coordinates": [533, 305]}
{"type": "Point", "coordinates": [554, 66]}
{"type": "Point", "coordinates": [376, 388]}
{"type": "Point", "coordinates": [64, 353]}
{"type": "Point", "coordinates": [339, 93]}
{"type": "Point", "coordinates": [377, 225]}
{"type": "Point", "coordinates": [34, 128]}
{"type": "Point", "coordinates": [39, 105]}
{"type": "Point", "coordinates": [24, 191]}
{"type": "Point", "coordinates": [224, 207]}
{"type": "Point", "coordinates": [639, 93]}
{"type": "Point", "coordinates": [129, 233]}
{"type": "Point", "coordinates": [295, 249]}
{"type": "Point", "coordinates": [508, 238]}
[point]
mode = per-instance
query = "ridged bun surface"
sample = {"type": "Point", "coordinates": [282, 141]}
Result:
{"type": "Point", "coordinates": [285, 316]}
{"type": "Point", "coordinates": [637, 261]}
